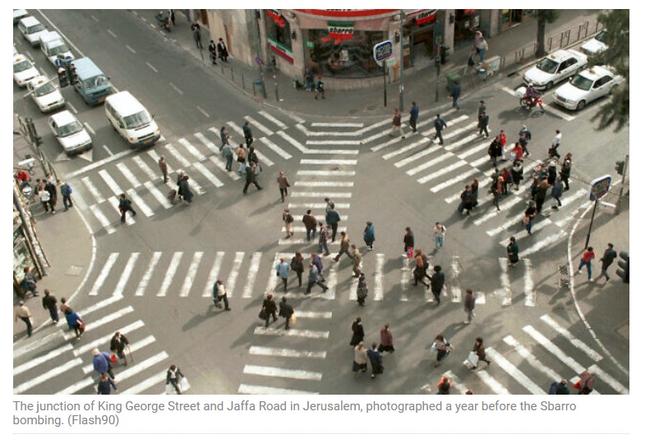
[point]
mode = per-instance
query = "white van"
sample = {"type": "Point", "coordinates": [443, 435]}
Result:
{"type": "Point", "coordinates": [131, 120]}
{"type": "Point", "coordinates": [53, 45]}
{"type": "Point", "coordinates": [32, 30]}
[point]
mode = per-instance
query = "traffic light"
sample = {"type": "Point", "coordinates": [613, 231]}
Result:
{"type": "Point", "coordinates": [620, 167]}
{"type": "Point", "coordinates": [63, 77]}
{"type": "Point", "coordinates": [624, 267]}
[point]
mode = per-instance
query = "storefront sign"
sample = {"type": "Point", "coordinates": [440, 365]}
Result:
{"type": "Point", "coordinates": [348, 13]}
{"type": "Point", "coordinates": [425, 17]}
{"type": "Point", "coordinates": [339, 31]}
{"type": "Point", "coordinates": [280, 50]}
{"type": "Point", "coordinates": [382, 50]}
{"type": "Point", "coordinates": [276, 17]}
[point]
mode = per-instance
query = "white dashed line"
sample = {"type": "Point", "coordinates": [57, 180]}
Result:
{"type": "Point", "coordinates": [89, 128]}
{"type": "Point", "coordinates": [202, 111]}
{"type": "Point", "coordinates": [153, 68]}
{"type": "Point", "coordinates": [74, 110]}
{"type": "Point", "coordinates": [130, 49]}
{"type": "Point", "coordinates": [175, 88]}
{"type": "Point", "coordinates": [94, 18]}
{"type": "Point", "coordinates": [107, 150]}
{"type": "Point", "coordinates": [111, 33]}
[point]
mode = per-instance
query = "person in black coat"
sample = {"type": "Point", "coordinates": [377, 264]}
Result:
{"type": "Point", "coordinates": [483, 120]}
{"type": "Point", "coordinates": [222, 51]}
{"type": "Point", "coordinates": [375, 361]}
{"type": "Point", "coordinates": [409, 241]}
{"type": "Point", "coordinates": [269, 308]}
{"type": "Point", "coordinates": [252, 158]}
{"type": "Point", "coordinates": [357, 332]}
{"type": "Point", "coordinates": [105, 385]}
{"type": "Point", "coordinates": [286, 311]}
{"type": "Point", "coordinates": [248, 134]}
{"type": "Point", "coordinates": [251, 177]}
{"type": "Point", "coordinates": [437, 282]}
{"type": "Point", "coordinates": [212, 49]}
{"type": "Point", "coordinates": [184, 189]}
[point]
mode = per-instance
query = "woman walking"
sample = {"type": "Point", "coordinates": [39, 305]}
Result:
{"type": "Point", "coordinates": [369, 235]}
{"type": "Point", "coordinates": [105, 385]}
{"type": "Point", "coordinates": [362, 290]}
{"type": "Point", "coordinates": [409, 242]}
{"type": "Point", "coordinates": [119, 342]}
{"type": "Point", "coordinates": [386, 339]}
{"type": "Point", "coordinates": [439, 231]}
{"type": "Point", "coordinates": [360, 361]}
{"type": "Point", "coordinates": [173, 377]}
{"type": "Point", "coordinates": [376, 364]}
{"type": "Point", "coordinates": [268, 309]}
{"type": "Point", "coordinates": [357, 332]}
{"type": "Point", "coordinates": [298, 266]}
{"type": "Point", "coordinates": [420, 271]}
{"type": "Point", "coordinates": [479, 349]}
{"type": "Point", "coordinates": [287, 218]}
{"type": "Point", "coordinates": [512, 250]}
{"type": "Point", "coordinates": [442, 348]}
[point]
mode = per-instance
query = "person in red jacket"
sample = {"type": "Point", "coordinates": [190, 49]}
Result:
{"type": "Point", "coordinates": [518, 152]}
{"type": "Point", "coordinates": [502, 138]}
{"type": "Point", "coordinates": [586, 259]}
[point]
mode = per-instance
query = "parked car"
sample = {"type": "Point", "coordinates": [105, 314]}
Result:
{"type": "Point", "coordinates": [24, 70]}
{"type": "Point", "coordinates": [32, 30]}
{"type": "Point", "coordinates": [46, 96]}
{"type": "Point", "coordinates": [554, 68]}
{"type": "Point", "coordinates": [69, 132]}
{"type": "Point", "coordinates": [18, 14]}
{"type": "Point", "coordinates": [589, 85]}
{"type": "Point", "coordinates": [595, 45]}
{"type": "Point", "coordinates": [54, 46]}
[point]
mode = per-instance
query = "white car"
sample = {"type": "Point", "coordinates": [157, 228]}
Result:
{"type": "Point", "coordinates": [586, 87]}
{"type": "Point", "coordinates": [32, 30]}
{"type": "Point", "coordinates": [595, 45]}
{"type": "Point", "coordinates": [53, 46]}
{"type": "Point", "coordinates": [24, 70]}
{"type": "Point", "coordinates": [18, 14]}
{"type": "Point", "coordinates": [45, 94]}
{"type": "Point", "coordinates": [554, 68]}
{"type": "Point", "coordinates": [70, 133]}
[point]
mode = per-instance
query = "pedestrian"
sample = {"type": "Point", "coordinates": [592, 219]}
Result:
{"type": "Point", "coordinates": [397, 124]}
{"type": "Point", "coordinates": [497, 191]}
{"type": "Point", "coordinates": [269, 308]}
{"type": "Point", "coordinates": [356, 258]}
{"type": "Point", "coordinates": [442, 347]}
{"type": "Point", "coordinates": [119, 343]}
{"type": "Point", "coordinates": [386, 339]}
{"type": "Point", "coordinates": [102, 363]}
{"type": "Point", "coordinates": [224, 136]}
{"type": "Point", "coordinates": [226, 151]}
{"type": "Point", "coordinates": [481, 45]}
{"type": "Point", "coordinates": [369, 235]}
{"type": "Point", "coordinates": [74, 322]}
{"type": "Point", "coordinates": [212, 49]}
{"type": "Point", "coordinates": [310, 223]}
{"type": "Point", "coordinates": [608, 257]}
{"type": "Point", "coordinates": [64, 307]}
{"type": "Point", "coordinates": [316, 260]}
{"type": "Point", "coordinates": [466, 200]}
{"type": "Point", "coordinates": [494, 151]}
{"type": "Point", "coordinates": [172, 17]}
{"type": "Point", "coordinates": [409, 242]}
{"type": "Point", "coordinates": [551, 172]}
{"type": "Point", "coordinates": [517, 173]}
{"type": "Point", "coordinates": [556, 193]}
{"type": "Point", "coordinates": [184, 190]}
{"type": "Point", "coordinates": [360, 361]}
{"type": "Point", "coordinates": [297, 265]}
{"type": "Point", "coordinates": [282, 271]}
{"type": "Point", "coordinates": [439, 124]}
{"type": "Point", "coordinates": [196, 33]}
{"type": "Point", "coordinates": [51, 188]}
{"type": "Point", "coordinates": [320, 88]}
{"type": "Point", "coordinates": [28, 283]}
{"type": "Point", "coordinates": [287, 218]}
{"type": "Point", "coordinates": [469, 303]}
{"type": "Point", "coordinates": [362, 290]}
{"type": "Point", "coordinates": [344, 247]}
{"type": "Point", "coordinates": [540, 195]}
{"type": "Point", "coordinates": [313, 279]}
{"type": "Point", "coordinates": [512, 250]}
{"type": "Point", "coordinates": [455, 94]}
{"type": "Point", "coordinates": [483, 121]}
{"type": "Point", "coordinates": [585, 261]}
{"type": "Point", "coordinates": [437, 282]}
{"type": "Point", "coordinates": [529, 215]}
{"type": "Point", "coordinates": [124, 206]}
{"type": "Point", "coordinates": [219, 293]}
{"type": "Point", "coordinates": [482, 109]}
{"type": "Point", "coordinates": [222, 50]}
{"type": "Point", "coordinates": [286, 311]}
{"type": "Point", "coordinates": [248, 134]}
{"type": "Point", "coordinates": [66, 192]}
{"type": "Point", "coordinates": [44, 197]}
{"type": "Point", "coordinates": [517, 153]}
{"type": "Point", "coordinates": [413, 116]}
{"type": "Point", "coordinates": [283, 184]}
{"type": "Point", "coordinates": [251, 177]}
{"type": "Point", "coordinates": [357, 332]}
{"type": "Point", "coordinates": [323, 235]}
{"type": "Point", "coordinates": [174, 376]}
{"type": "Point", "coordinates": [479, 349]}
{"type": "Point", "coordinates": [49, 303]}
{"type": "Point", "coordinates": [105, 385]}
{"type": "Point", "coordinates": [420, 271]}
{"type": "Point", "coordinates": [559, 388]}
{"type": "Point", "coordinates": [253, 159]}
{"type": "Point", "coordinates": [586, 383]}
{"type": "Point", "coordinates": [524, 137]}
{"type": "Point", "coordinates": [444, 385]}
{"type": "Point", "coordinates": [555, 145]}
{"type": "Point", "coordinates": [332, 219]}
{"type": "Point", "coordinates": [162, 164]}
{"type": "Point", "coordinates": [241, 154]}
{"type": "Point", "coordinates": [376, 364]}
{"type": "Point", "coordinates": [565, 170]}
{"type": "Point", "coordinates": [22, 312]}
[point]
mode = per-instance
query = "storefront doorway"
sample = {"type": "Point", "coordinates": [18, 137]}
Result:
{"type": "Point", "coordinates": [509, 18]}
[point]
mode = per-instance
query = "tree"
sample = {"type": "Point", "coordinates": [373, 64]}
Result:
{"type": "Point", "coordinates": [544, 16]}
{"type": "Point", "coordinates": [617, 55]}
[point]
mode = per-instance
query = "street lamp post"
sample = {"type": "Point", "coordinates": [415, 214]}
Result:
{"type": "Point", "coordinates": [401, 62]}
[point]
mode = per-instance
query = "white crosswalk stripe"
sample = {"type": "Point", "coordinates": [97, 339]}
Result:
{"type": "Point", "coordinates": [108, 179]}
{"type": "Point", "coordinates": [158, 195]}
{"type": "Point", "coordinates": [441, 172]}
{"type": "Point", "coordinates": [43, 377]}
{"type": "Point", "coordinates": [236, 128]}
{"type": "Point", "coordinates": [192, 149]}
{"type": "Point", "coordinates": [314, 334]}
{"type": "Point", "coordinates": [323, 184]}
{"type": "Point", "coordinates": [456, 384]}
{"type": "Point", "coordinates": [406, 149]}
{"type": "Point", "coordinates": [328, 161]}
{"type": "Point", "coordinates": [139, 202]}
{"type": "Point", "coordinates": [144, 282]}
{"type": "Point", "coordinates": [544, 243]}
{"type": "Point", "coordinates": [317, 205]}
{"type": "Point", "coordinates": [208, 175]}
{"type": "Point", "coordinates": [405, 277]}
{"type": "Point", "coordinates": [323, 194]}
{"type": "Point", "coordinates": [93, 190]}
{"type": "Point", "coordinates": [103, 220]}
{"type": "Point", "coordinates": [494, 385]}
{"type": "Point", "coordinates": [452, 181]}
{"type": "Point", "coordinates": [286, 352]}
{"type": "Point", "coordinates": [126, 273]}
{"type": "Point", "coordinates": [248, 389]}
{"type": "Point", "coordinates": [277, 372]}
{"type": "Point", "coordinates": [413, 157]}
{"type": "Point", "coordinates": [523, 233]}
{"type": "Point", "coordinates": [130, 177]}
{"type": "Point", "coordinates": [505, 289]}
{"type": "Point", "coordinates": [272, 146]}
{"type": "Point", "coordinates": [252, 274]}
{"type": "Point", "coordinates": [103, 274]}
{"type": "Point", "coordinates": [272, 119]}
{"type": "Point", "coordinates": [214, 272]}
{"type": "Point", "coordinates": [234, 273]}
{"type": "Point", "coordinates": [176, 155]}
{"type": "Point", "coordinates": [146, 384]}
{"type": "Point", "coordinates": [258, 125]}
{"type": "Point", "coordinates": [379, 277]}
{"type": "Point", "coordinates": [170, 273]}
{"type": "Point", "coordinates": [430, 163]}
{"type": "Point", "coordinates": [191, 273]}
{"type": "Point", "coordinates": [513, 371]}
{"type": "Point", "coordinates": [577, 343]}
{"type": "Point", "coordinates": [102, 321]}
{"type": "Point", "coordinates": [455, 273]}
{"type": "Point", "coordinates": [529, 284]}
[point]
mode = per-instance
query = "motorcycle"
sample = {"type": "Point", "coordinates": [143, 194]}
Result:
{"type": "Point", "coordinates": [529, 103]}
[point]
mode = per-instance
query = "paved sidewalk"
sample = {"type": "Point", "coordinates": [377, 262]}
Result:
{"type": "Point", "coordinates": [68, 247]}
{"type": "Point", "coordinates": [418, 85]}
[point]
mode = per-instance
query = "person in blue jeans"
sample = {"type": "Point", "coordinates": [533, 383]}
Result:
{"type": "Point", "coordinates": [282, 270]}
{"type": "Point", "coordinates": [323, 235]}
{"type": "Point", "coordinates": [585, 261]}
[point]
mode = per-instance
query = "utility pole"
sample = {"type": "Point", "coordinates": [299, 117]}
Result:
{"type": "Point", "coordinates": [401, 62]}
{"type": "Point", "coordinates": [258, 48]}
{"type": "Point", "coordinates": [620, 195]}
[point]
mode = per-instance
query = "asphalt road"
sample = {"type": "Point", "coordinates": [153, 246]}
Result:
{"type": "Point", "coordinates": [156, 269]}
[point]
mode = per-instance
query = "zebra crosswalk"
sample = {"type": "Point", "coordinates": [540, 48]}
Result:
{"type": "Point", "coordinates": [529, 360]}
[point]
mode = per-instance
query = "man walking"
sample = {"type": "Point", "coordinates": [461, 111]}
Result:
{"type": "Point", "coordinates": [608, 257]}
{"type": "Point", "coordinates": [555, 144]}
{"type": "Point", "coordinates": [323, 235]}
{"type": "Point", "coordinates": [282, 271]}
{"type": "Point", "coordinates": [251, 177]}
{"type": "Point", "coordinates": [283, 184]}
{"type": "Point", "coordinates": [310, 225]}
{"type": "Point", "coordinates": [269, 308]}
{"type": "Point", "coordinates": [223, 134]}
{"type": "Point", "coordinates": [22, 312]}
{"type": "Point", "coordinates": [345, 247]}
{"type": "Point", "coordinates": [455, 94]}
{"type": "Point", "coordinates": [332, 219]}
{"type": "Point", "coordinates": [196, 33]}
{"type": "Point", "coordinates": [226, 151]}
{"type": "Point", "coordinates": [162, 164]}
{"type": "Point", "coordinates": [219, 293]}
{"type": "Point", "coordinates": [286, 311]}
{"type": "Point", "coordinates": [414, 114]}
{"type": "Point", "coordinates": [512, 250]}
{"type": "Point", "coordinates": [212, 49]}
{"type": "Point", "coordinates": [585, 260]}
{"type": "Point", "coordinates": [439, 124]}
{"type": "Point", "coordinates": [51, 188]}
{"type": "Point", "coordinates": [565, 170]}
{"type": "Point", "coordinates": [66, 192]}
{"type": "Point", "coordinates": [483, 120]}
{"type": "Point", "coordinates": [124, 206]}
{"type": "Point", "coordinates": [248, 134]}
{"type": "Point", "coordinates": [524, 137]}
{"type": "Point", "coordinates": [469, 304]}
{"type": "Point", "coordinates": [313, 279]}
{"type": "Point", "coordinates": [356, 257]}
{"type": "Point", "coordinates": [49, 303]}
{"type": "Point", "coordinates": [222, 51]}
{"type": "Point", "coordinates": [437, 282]}
{"type": "Point", "coordinates": [375, 359]}
{"type": "Point", "coordinates": [397, 124]}
{"type": "Point", "coordinates": [482, 109]}
{"type": "Point", "coordinates": [44, 197]}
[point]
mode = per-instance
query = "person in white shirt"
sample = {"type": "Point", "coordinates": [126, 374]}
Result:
{"type": "Point", "coordinates": [552, 151]}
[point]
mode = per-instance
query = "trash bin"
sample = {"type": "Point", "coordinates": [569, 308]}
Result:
{"type": "Point", "coordinates": [452, 77]}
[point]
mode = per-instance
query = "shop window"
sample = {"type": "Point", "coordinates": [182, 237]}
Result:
{"type": "Point", "coordinates": [343, 53]}
{"type": "Point", "coordinates": [467, 23]}
{"type": "Point", "coordinates": [278, 29]}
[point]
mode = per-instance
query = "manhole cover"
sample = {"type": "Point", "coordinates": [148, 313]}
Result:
{"type": "Point", "coordinates": [624, 330]}
{"type": "Point", "coordinates": [74, 270]}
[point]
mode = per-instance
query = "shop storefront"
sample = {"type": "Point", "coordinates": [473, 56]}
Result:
{"type": "Point", "coordinates": [466, 23]}
{"type": "Point", "coordinates": [422, 32]}
{"type": "Point", "coordinates": [23, 256]}
{"type": "Point", "coordinates": [509, 18]}
{"type": "Point", "coordinates": [279, 34]}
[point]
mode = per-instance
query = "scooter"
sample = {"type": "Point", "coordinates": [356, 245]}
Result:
{"type": "Point", "coordinates": [527, 102]}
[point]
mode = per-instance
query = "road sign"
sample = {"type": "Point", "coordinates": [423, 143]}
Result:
{"type": "Point", "coordinates": [600, 187]}
{"type": "Point", "coordinates": [382, 51]}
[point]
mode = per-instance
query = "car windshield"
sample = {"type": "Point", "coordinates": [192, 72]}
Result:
{"type": "Point", "coordinates": [60, 49]}
{"type": "Point", "coordinates": [44, 89]}
{"type": "Point", "coordinates": [70, 128]}
{"type": "Point", "coordinates": [547, 65]}
{"type": "Point", "coordinates": [22, 66]}
{"type": "Point", "coordinates": [95, 82]}
{"type": "Point", "coordinates": [35, 28]}
{"type": "Point", "coordinates": [601, 36]}
{"type": "Point", "coordinates": [136, 120]}
{"type": "Point", "coordinates": [582, 83]}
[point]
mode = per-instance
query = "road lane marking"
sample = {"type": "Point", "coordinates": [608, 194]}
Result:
{"type": "Point", "coordinates": [94, 18]}
{"type": "Point", "coordinates": [282, 153]}
{"type": "Point", "coordinates": [142, 286]}
{"type": "Point", "coordinates": [430, 163]}
{"type": "Point", "coordinates": [513, 371]}
{"type": "Point", "coordinates": [111, 33]}
{"type": "Point", "coordinates": [273, 276]}
{"type": "Point", "coordinates": [447, 183]}
{"type": "Point", "coordinates": [144, 167]}
{"type": "Point", "coordinates": [191, 274]}
{"type": "Point", "coordinates": [529, 284]}
{"type": "Point", "coordinates": [379, 277]}
{"type": "Point", "coordinates": [313, 334]}
{"type": "Point", "coordinates": [110, 182]}
{"type": "Point", "coordinates": [103, 220]}
{"type": "Point", "coordinates": [506, 289]}
{"type": "Point", "coordinates": [139, 202]}
{"type": "Point", "coordinates": [175, 88]}
{"type": "Point", "coordinates": [146, 384]}
{"type": "Point", "coordinates": [523, 233]}
{"type": "Point", "coordinates": [169, 274]}
{"type": "Point", "coordinates": [126, 273]}
{"type": "Point", "coordinates": [214, 272]}
{"type": "Point", "coordinates": [208, 175]}
{"type": "Point", "coordinates": [277, 372]}
{"type": "Point", "coordinates": [153, 68]}
{"type": "Point", "coordinates": [408, 148]}
{"type": "Point", "coordinates": [31, 346]}
{"type": "Point", "coordinates": [577, 343]}
{"type": "Point", "coordinates": [252, 274]}
{"type": "Point", "coordinates": [328, 161]}
{"type": "Point", "coordinates": [202, 111]}
{"type": "Point", "coordinates": [321, 194]}
{"type": "Point", "coordinates": [544, 243]}
{"type": "Point", "coordinates": [103, 274]}
{"type": "Point", "coordinates": [248, 389]}
{"type": "Point", "coordinates": [47, 375]}
{"type": "Point", "coordinates": [325, 173]}
{"type": "Point", "coordinates": [338, 124]}
{"type": "Point", "coordinates": [258, 125]}
{"type": "Point", "coordinates": [98, 164]}
{"type": "Point", "coordinates": [313, 314]}
{"type": "Point", "coordinates": [158, 195]}
{"type": "Point", "coordinates": [235, 128]}
{"type": "Point", "coordinates": [41, 359]}
{"type": "Point", "coordinates": [316, 205]}
{"type": "Point", "coordinates": [404, 279]}
{"type": "Point", "coordinates": [89, 128]}
{"type": "Point", "coordinates": [292, 141]}
{"type": "Point", "coordinates": [178, 156]}
{"type": "Point", "coordinates": [333, 142]}
{"type": "Point", "coordinates": [273, 119]}
{"type": "Point", "coordinates": [93, 190]}
{"type": "Point", "coordinates": [130, 177]}
{"type": "Point", "coordinates": [323, 184]}
{"type": "Point", "coordinates": [286, 352]}
{"type": "Point", "coordinates": [234, 272]}
{"type": "Point", "coordinates": [493, 212]}
{"type": "Point", "coordinates": [130, 49]}
{"type": "Point", "coordinates": [494, 385]}
{"type": "Point", "coordinates": [110, 153]}
{"type": "Point", "coordinates": [455, 274]}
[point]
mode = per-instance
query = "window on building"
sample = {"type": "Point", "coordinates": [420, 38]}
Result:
{"type": "Point", "coordinates": [278, 29]}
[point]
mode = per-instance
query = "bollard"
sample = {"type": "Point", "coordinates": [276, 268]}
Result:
{"type": "Point", "coordinates": [242, 80]}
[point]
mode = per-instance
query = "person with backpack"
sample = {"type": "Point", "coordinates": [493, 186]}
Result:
{"type": "Point", "coordinates": [66, 192]}
{"type": "Point", "coordinates": [323, 236]}
{"type": "Point", "coordinates": [441, 347]}
{"type": "Point", "coordinates": [310, 223]}
{"type": "Point", "coordinates": [253, 159]}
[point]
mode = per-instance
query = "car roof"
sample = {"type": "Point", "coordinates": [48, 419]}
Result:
{"type": "Point", "coordinates": [38, 80]}
{"type": "Point", "coordinates": [29, 21]}
{"type": "Point", "coordinates": [125, 103]}
{"type": "Point", "coordinates": [596, 72]}
{"type": "Point", "coordinates": [19, 58]}
{"type": "Point", "coordinates": [63, 118]}
{"type": "Point", "coordinates": [86, 68]}
{"type": "Point", "coordinates": [562, 54]}
{"type": "Point", "coordinates": [20, 12]}
{"type": "Point", "coordinates": [50, 36]}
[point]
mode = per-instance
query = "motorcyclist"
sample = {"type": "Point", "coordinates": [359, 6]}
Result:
{"type": "Point", "coordinates": [533, 97]}
{"type": "Point", "coordinates": [164, 19]}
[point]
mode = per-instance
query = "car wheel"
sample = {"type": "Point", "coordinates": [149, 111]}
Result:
{"type": "Point", "coordinates": [581, 105]}
{"type": "Point", "coordinates": [548, 86]}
